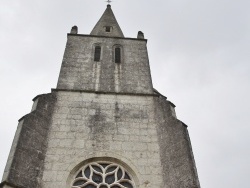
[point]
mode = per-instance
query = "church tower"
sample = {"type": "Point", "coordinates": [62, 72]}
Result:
{"type": "Point", "coordinates": [104, 126]}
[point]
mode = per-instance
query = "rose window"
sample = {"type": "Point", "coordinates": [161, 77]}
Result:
{"type": "Point", "coordinates": [102, 175]}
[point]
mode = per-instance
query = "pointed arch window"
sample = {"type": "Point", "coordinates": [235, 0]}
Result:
{"type": "Point", "coordinates": [97, 55]}
{"type": "Point", "coordinates": [117, 54]}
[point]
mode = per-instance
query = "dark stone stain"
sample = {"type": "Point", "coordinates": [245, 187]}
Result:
{"type": "Point", "coordinates": [117, 112]}
{"type": "Point", "coordinates": [99, 127]}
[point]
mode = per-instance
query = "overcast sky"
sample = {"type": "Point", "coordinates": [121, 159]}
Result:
{"type": "Point", "coordinates": [199, 57]}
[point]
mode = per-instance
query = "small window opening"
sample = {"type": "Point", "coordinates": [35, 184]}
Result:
{"type": "Point", "coordinates": [117, 55]}
{"type": "Point", "coordinates": [108, 29]}
{"type": "Point", "coordinates": [97, 56]}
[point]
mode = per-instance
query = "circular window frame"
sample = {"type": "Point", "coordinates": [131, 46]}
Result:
{"type": "Point", "coordinates": [111, 161]}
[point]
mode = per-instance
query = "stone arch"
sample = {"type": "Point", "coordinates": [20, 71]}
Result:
{"type": "Point", "coordinates": [121, 161]}
{"type": "Point", "coordinates": [117, 53]}
{"type": "Point", "coordinates": [95, 47]}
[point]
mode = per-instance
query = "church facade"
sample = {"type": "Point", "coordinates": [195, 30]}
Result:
{"type": "Point", "coordinates": [104, 126]}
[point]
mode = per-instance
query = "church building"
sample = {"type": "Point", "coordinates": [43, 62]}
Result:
{"type": "Point", "coordinates": [104, 126]}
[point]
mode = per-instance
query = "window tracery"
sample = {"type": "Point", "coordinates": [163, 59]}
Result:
{"type": "Point", "coordinates": [102, 175]}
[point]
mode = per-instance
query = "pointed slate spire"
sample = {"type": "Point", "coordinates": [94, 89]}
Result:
{"type": "Point", "coordinates": [107, 25]}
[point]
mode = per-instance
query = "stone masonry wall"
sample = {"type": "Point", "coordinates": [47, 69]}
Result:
{"type": "Point", "coordinates": [66, 128]}
{"type": "Point", "coordinates": [24, 167]}
{"type": "Point", "coordinates": [179, 169]}
{"type": "Point", "coordinates": [79, 71]}
{"type": "Point", "coordinates": [141, 131]}
{"type": "Point", "coordinates": [87, 125]}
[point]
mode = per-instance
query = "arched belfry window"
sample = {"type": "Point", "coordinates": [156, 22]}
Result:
{"type": "Point", "coordinates": [117, 55]}
{"type": "Point", "coordinates": [102, 174]}
{"type": "Point", "coordinates": [97, 55]}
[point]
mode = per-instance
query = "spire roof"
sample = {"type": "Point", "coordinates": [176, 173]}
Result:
{"type": "Point", "coordinates": [107, 25]}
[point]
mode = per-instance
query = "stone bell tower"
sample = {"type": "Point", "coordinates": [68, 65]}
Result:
{"type": "Point", "coordinates": [104, 126]}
